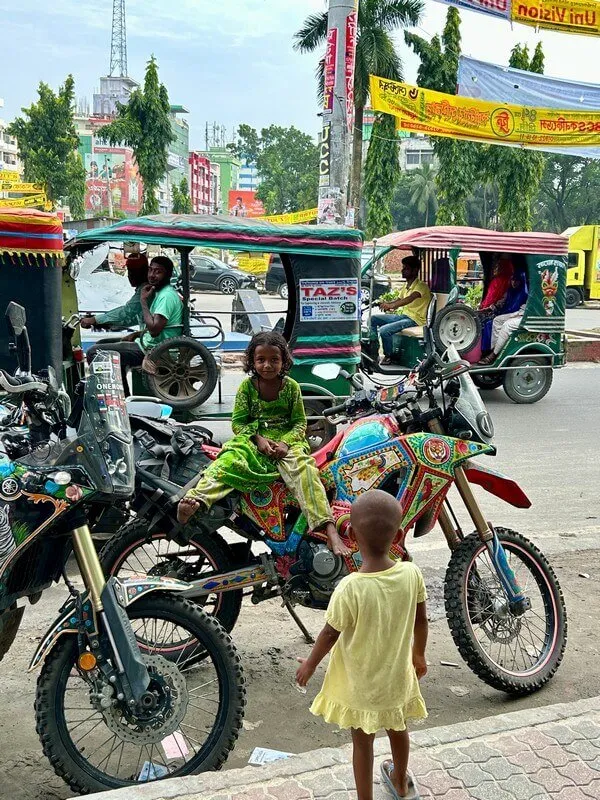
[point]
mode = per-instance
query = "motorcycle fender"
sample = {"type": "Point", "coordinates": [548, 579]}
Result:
{"type": "Point", "coordinates": [497, 484]}
{"type": "Point", "coordinates": [66, 624]}
{"type": "Point", "coordinates": [128, 590]}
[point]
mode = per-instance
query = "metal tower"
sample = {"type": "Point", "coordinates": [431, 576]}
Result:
{"type": "Point", "coordinates": [118, 42]}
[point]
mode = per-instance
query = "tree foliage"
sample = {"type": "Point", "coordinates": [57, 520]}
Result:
{"type": "Point", "coordinates": [382, 172]}
{"type": "Point", "coordinates": [516, 171]}
{"type": "Point", "coordinates": [569, 193]}
{"type": "Point", "coordinates": [48, 143]}
{"type": "Point", "coordinates": [287, 162]}
{"type": "Point", "coordinates": [144, 125]}
{"type": "Point", "coordinates": [375, 55]}
{"type": "Point", "coordinates": [457, 160]}
{"type": "Point", "coordinates": [424, 191]}
{"type": "Point", "coordinates": [182, 202]}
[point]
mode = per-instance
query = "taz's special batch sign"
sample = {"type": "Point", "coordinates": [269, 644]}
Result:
{"type": "Point", "coordinates": [328, 299]}
{"type": "Point", "coordinates": [438, 114]}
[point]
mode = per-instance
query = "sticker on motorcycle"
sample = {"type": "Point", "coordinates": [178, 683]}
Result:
{"type": "Point", "coordinates": [436, 451]}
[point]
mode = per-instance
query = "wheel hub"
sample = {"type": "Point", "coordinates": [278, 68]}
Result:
{"type": "Point", "coordinates": [160, 710]}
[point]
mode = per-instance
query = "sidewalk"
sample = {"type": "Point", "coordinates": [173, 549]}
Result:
{"type": "Point", "coordinates": [545, 753]}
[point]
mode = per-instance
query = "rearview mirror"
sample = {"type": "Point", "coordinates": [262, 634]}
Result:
{"type": "Point", "coordinates": [327, 372]}
{"type": "Point", "coordinates": [17, 317]}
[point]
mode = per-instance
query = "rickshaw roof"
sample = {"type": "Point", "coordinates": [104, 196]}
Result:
{"type": "Point", "coordinates": [26, 230]}
{"type": "Point", "coordinates": [235, 233]}
{"type": "Point", "coordinates": [478, 240]}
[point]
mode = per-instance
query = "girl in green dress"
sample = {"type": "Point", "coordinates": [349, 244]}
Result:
{"type": "Point", "coordinates": [269, 442]}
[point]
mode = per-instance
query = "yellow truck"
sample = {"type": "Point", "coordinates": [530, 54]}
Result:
{"type": "Point", "coordinates": [583, 275]}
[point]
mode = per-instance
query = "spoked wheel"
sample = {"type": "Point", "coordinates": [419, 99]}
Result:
{"type": "Point", "coordinates": [184, 372]}
{"type": "Point", "coordinates": [318, 431]}
{"type": "Point", "coordinates": [228, 286]}
{"type": "Point", "coordinates": [187, 723]}
{"type": "Point", "coordinates": [458, 325]}
{"type": "Point", "coordinates": [515, 654]}
{"type": "Point", "coordinates": [133, 551]}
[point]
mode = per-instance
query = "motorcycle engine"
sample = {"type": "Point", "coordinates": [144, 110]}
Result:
{"type": "Point", "coordinates": [320, 570]}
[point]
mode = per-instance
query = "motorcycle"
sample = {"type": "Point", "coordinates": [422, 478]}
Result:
{"type": "Point", "coordinates": [116, 704]}
{"type": "Point", "coordinates": [503, 602]}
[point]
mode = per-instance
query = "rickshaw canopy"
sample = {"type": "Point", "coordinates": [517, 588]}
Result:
{"type": "Point", "coordinates": [26, 231]}
{"type": "Point", "coordinates": [235, 233]}
{"type": "Point", "coordinates": [476, 239]}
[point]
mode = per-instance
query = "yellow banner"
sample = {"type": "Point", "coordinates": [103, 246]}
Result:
{"type": "Point", "coordinates": [293, 218]}
{"type": "Point", "coordinates": [23, 188]}
{"type": "Point", "coordinates": [569, 16]}
{"type": "Point", "coordinates": [9, 175]}
{"type": "Point", "coordinates": [25, 202]}
{"type": "Point", "coordinates": [439, 114]}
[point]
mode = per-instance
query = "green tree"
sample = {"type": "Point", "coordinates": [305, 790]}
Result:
{"type": "Point", "coordinates": [482, 205]}
{"type": "Point", "coordinates": [517, 172]}
{"type": "Point", "coordinates": [375, 55]}
{"type": "Point", "coordinates": [569, 193]}
{"type": "Point", "coordinates": [144, 125]}
{"type": "Point", "coordinates": [382, 172]}
{"type": "Point", "coordinates": [48, 143]}
{"type": "Point", "coordinates": [405, 213]}
{"type": "Point", "coordinates": [424, 191]}
{"type": "Point", "coordinates": [182, 202]}
{"type": "Point", "coordinates": [457, 159]}
{"type": "Point", "coordinates": [287, 162]}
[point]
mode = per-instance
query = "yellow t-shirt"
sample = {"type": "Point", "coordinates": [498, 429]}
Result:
{"type": "Point", "coordinates": [371, 683]}
{"type": "Point", "coordinates": [417, 310]}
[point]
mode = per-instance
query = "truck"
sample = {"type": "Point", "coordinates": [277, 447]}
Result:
{"type": "Point", "coordinates": [583, 274]}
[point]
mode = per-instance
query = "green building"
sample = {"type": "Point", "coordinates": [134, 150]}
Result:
{"type": "Point", "coordinates": [177, 157]}
{"type": "Point", "coordinates": [230, 172]}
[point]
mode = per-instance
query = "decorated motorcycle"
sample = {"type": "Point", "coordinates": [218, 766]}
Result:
{"type": "Point", "coordinates": [116, 703]}
{"type": "Point", "coordinates": [503, 602]}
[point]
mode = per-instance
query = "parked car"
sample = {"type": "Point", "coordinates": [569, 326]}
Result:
{"type": "Point", "coordinates": [209, 273]}
{"type": "Point", "coordinates": [275, 282]}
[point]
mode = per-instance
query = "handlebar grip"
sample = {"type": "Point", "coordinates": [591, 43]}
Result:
{"type": "Point", "coordinates": [426, 365]}
{"type": "Point", "coordinates": [331, 412]}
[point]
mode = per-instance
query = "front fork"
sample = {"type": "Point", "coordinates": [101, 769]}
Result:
{"type": "Point", "coordinates": [130, 666]}
{"type": "Point", "coordinates": [519, 603]}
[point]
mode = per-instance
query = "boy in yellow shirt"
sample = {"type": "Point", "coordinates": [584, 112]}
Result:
{"type": "Point", "coordinates": [372, 681]}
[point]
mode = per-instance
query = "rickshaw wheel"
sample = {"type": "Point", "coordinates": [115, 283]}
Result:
{"type": "Point", "coordinates": [457, 324]}
{"type": "Point", "coordinates": [530, 381]}
{"type": "Point", "coordinates": [487, 380]}
{"type": "Point", "coordinates": [318, 431]}
{"type": "Point", "coordinates": [185, 373]}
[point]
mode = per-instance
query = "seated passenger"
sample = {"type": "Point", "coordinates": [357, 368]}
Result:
{"type": "Point", "coordinates": [408, 311]}
{"type": "Point", "coordinates": [162, 316]}
{"type": "Point", "coordinates": [500, 328]}
{"type": "Point", "coordinates": [499, 286]}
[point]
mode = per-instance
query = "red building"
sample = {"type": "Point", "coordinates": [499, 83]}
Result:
{"type": "Point", "coordinates": [200, 182]}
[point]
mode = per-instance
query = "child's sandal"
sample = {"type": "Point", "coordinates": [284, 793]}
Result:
{"type": "Point", "coordinates": [387, 768]}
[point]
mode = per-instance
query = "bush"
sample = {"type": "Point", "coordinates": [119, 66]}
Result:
{"type": "Point", "coordinates": [474, 295]}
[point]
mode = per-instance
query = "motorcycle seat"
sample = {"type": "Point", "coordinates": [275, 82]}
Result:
{"type": "Point", "coordinates": [325, 454]}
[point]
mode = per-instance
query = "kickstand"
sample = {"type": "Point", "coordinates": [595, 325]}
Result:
{"type": "Point", "coordinates": [307, 637]}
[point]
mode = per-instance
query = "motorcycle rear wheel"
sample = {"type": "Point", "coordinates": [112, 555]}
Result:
{"type": "Point", "coordinates": [133, 550]}
{"type": "Point", "coordinates": [73, 731]}
{"type": "Point", "coordinates": [517, 655]}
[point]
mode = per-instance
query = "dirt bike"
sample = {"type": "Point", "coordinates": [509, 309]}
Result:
{"type": "Point", "coordinates": [116, 703]}
{"type": "Point", "coordinates": [503, 602]}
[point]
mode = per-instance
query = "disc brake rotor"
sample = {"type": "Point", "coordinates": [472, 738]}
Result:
{"type": "Point", "coordinates": [152, 725]}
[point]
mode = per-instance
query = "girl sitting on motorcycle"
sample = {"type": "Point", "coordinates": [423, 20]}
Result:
{"type": "Point", "coordinates": [269, 442]}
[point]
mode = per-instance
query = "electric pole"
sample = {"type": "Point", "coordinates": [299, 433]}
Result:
{"type": "Point", "coordinates": [338, 113]}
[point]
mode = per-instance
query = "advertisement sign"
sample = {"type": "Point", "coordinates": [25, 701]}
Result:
{"type": "Point", "coordinates": [329, 299]}
{"type": "Point", "coordinates": [110, 169]}
{"type": "Point", "coordinates": [22, 188]}
{"type": "Point", "coordinates": [244, 203]}
{"type": "Point", "coordinates": [439, 114]}
{"type": "Point", "coordinates": [329, 69]}
{"type": "Point", "coordinates": [31, 201]}
{"type": "Point", "coordinates": [568, 16]}
{"type": "Point", "coordinates": [325, 155]}
{"type": "Point", "coordinates": [349, 62]}
{"type": "Point", "coordinates": [293, 218]}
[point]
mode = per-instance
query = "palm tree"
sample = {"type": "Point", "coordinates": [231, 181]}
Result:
{"type": "Point", "coordinates": [423, 188]}
{"type": "Point", "coordinates": [375, 55]}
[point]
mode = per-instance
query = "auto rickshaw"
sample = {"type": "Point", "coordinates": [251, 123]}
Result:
{"type": "Point", "coordinates": [33, 273]}
{"type": "Point", "coordinates": [322, 269]}
{"type": "Point", "coordinates": [525, 363]}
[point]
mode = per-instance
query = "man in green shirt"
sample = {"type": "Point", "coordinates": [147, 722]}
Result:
{"type": "Point", "coordinates": [408, 311]}
{"type": "Point", "coordinates": [162, 318]}
{"type": "Point", "coordinates": [130, 314]}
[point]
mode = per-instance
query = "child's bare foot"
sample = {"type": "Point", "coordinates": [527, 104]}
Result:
{"type": "Point", "coordinates": [186, 509]}
{"type": "Point", "coordinates": [334, 541]}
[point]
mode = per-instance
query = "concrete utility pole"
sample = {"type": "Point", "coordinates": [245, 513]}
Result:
{"type": "Point", "coordinates": [338, 113]}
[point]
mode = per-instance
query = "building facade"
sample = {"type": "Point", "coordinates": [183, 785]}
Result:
{"type": "Point", "coordinates": [9, 159]}
{"type": "Point", "coordinates": [416, 151]}
{"type": "Point", "coordinates": [113, 89]}
{"type": "Point", "coordinates": [229, 173]}
{"type": "Point", "coordinates": [248, 180]}
{"type": "Point", "coordinates": [200, 183]}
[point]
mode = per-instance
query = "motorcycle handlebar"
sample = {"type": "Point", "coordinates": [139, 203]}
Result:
{"type": "Point", "coordinates": [21, 385]}
{"type": "Point", "coordinates": [426, 365]}
{"type": "Point", "coordinates": [331, 412]}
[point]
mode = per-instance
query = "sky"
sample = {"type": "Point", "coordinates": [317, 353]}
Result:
{"type": "Point", "coordinates": [230, 61]}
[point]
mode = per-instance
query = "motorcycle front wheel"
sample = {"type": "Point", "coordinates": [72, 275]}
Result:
{"type": "Point", "coordinates": [515, 654]}
{"type": "Point", "coordinates": [96, 742]}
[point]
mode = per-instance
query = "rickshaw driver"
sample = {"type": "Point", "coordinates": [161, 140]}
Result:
{"type": "Point", "coordinates": [414, 300]}
{"type": "Point", "coordinates": [162, 312]}
{"type": "Point", "coordinates": [130, 313]}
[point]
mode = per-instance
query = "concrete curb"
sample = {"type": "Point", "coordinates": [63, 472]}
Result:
{"type": "Point", "coordinates": [209, 783]}
{"type": "Point", "coordinates": [583, 349]}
